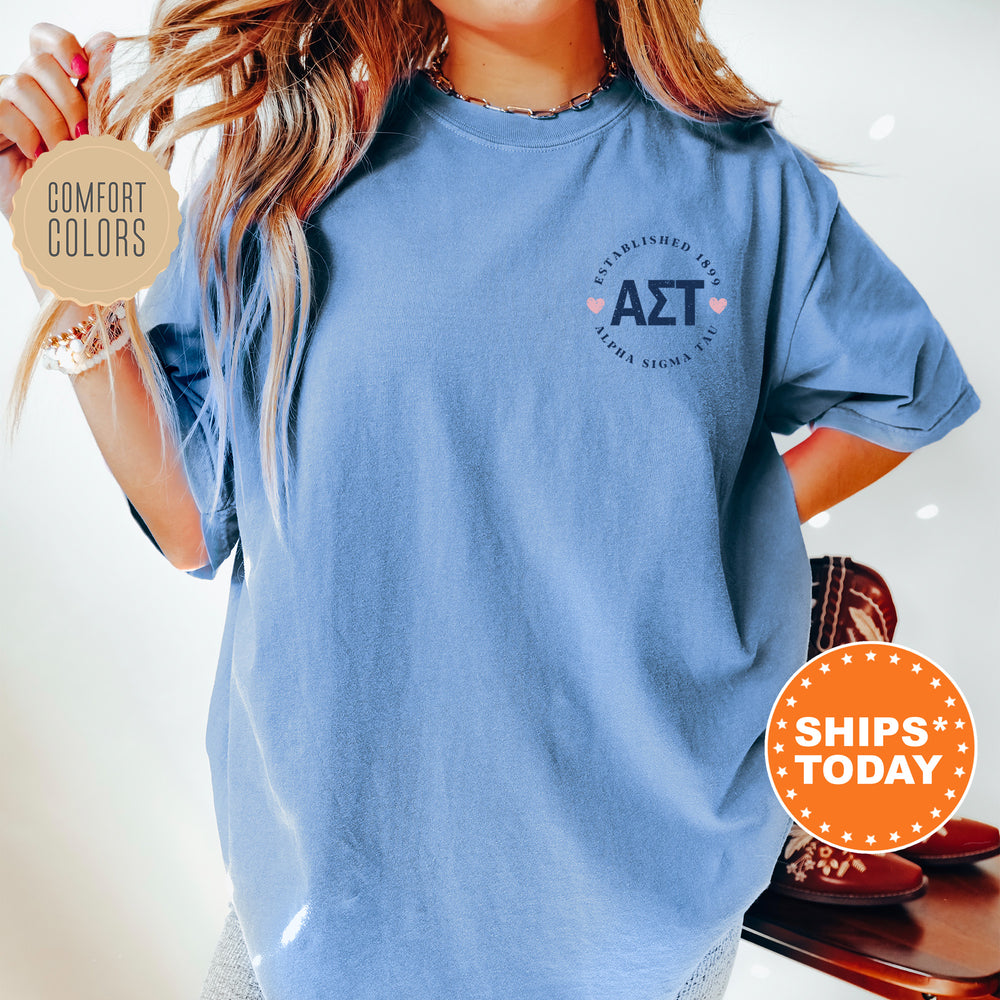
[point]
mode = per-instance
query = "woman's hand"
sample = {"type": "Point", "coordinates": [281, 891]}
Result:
{"type": "Point", "coordinates": [40, 105]}
{"type": "Point", "coordinates": [830, 465]}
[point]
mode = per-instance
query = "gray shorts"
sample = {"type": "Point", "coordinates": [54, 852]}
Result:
{"type": "Point", "coordinates": [231, 976]}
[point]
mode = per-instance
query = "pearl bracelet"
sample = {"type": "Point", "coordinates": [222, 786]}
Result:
{"type": "Point", "coordinates": [67, 351]}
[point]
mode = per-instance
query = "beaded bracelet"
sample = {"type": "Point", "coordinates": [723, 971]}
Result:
{"type": "Point", "coordinates": [68, 352]}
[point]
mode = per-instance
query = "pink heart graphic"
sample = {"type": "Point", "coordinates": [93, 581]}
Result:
{"type": "Point", "coordinates": [717, 304]}
{"type": "Point", "coordinates": [595, 305]}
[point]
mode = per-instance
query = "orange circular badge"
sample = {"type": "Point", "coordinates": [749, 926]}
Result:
{"type": "Point", "coordinates": [870, 747]}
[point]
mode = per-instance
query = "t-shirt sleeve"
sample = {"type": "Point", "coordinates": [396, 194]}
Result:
{"type": "Point", "coordinates": [862, 352]}
{"type": "Point", "coordinates": [170, 317]}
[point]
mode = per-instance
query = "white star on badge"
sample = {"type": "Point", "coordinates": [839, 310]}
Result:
{"type": "Point", "coordinates": [869, 839]}
{"type": "Point", "coordinates": [917, 828]}
{"type": "Point", "coordinates": [806, 682]}
{"type": "Point", "coordinates": [806, 814]}
{"type": "Point", "coordinates": [950, 794]}
{"type": "Point", "coordinates": [950, 702]}
{"type": "Point", "coordinates": [846, 657]}
{"type": "Point", "coordinates": [894, 836]}
{"type": "Point", "coordinates": [782, 723]}
{"type": "Point", "coordinates": [790, 702]}
{"type": "Point", "coordinates": [824, 827]}
{"type": "Point", "coordinates": [959, 771]}
{"type": "Point", "coordinates": [894, 658]}
{"type": "Point", "coordinates": [779, 747]}
{"type": "Point", "coordinates": [960, 724]}
{"type": "Point", "coordinates": [869, 656]}
{"type": "Point", "coordinates": [962, 747]}
{"type": "Point", "coordinates": [791, 793]}
{"type": "Point", "coordinates": [936, 682]}
{"type": "Point", "coordinates": [845, 837]}
{"type": "Point", "coordinates": [916, 668]}
{"type": "Point", "coordinates": [782, 772]}
{"type": "Point", "coordinates": [825, 668]}
{"type": "Point", "coordinates": [935, 813]}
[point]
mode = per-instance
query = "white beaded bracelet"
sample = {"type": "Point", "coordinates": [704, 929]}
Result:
{"type": "Point", "coordinates": [68, 353]}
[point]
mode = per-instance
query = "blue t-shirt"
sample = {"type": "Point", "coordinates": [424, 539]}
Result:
{"type": "Point", "coordinates": [491, 725]}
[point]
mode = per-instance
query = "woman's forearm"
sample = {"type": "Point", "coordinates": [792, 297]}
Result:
{"type": "Point", "coordinates": [831, 465]}
{"type": "Point", "coordinates": [130, 445]}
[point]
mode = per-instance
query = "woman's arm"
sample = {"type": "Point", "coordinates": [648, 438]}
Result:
{"type": "Point", "coordinates": [40, 107]}
{"type": "Point", "coordinates": [130, 445]}
{"type": "Point", "coordinates": [830, 465]}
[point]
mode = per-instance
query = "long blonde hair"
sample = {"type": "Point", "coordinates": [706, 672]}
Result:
{"type": "Point", "coordinates": [294, 118]}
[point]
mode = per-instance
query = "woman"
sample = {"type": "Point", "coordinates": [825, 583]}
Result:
{"type": "Point", "coordinates": [505, 627]}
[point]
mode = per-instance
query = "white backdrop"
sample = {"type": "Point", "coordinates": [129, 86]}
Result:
{"type": "Point", "coordinates": [112, 882]}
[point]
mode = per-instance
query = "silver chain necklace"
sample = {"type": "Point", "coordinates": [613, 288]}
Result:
{"type": "Point", "coordinates": [577, 103]}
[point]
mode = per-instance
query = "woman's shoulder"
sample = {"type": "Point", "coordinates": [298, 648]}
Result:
{"type": "Point", "coordinates": [757, 139]}
{"type": "Point", "coordinates": [738, 154]}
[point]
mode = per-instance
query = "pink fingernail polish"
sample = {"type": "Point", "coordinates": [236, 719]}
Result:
{"type": "Point", "coordinates": [78, 67]}
{"type": "Point", "coordinates": [41, 149]}
{"type": "Point", "coordinates": [82, 128]}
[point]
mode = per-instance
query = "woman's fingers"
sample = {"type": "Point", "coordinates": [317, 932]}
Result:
{"type": "Point", "coordinates": [62, 45]}
{"type": "Point", "coordinates": [15, 124]}
{"type": "Point", "coordinates": [5, 141]}
{"type": "Point", "coordinates": [45, 101]}
{"type": "Point", "coordinates": [44, 93]}
{"type": "Point", "coordinates": [40, 104]}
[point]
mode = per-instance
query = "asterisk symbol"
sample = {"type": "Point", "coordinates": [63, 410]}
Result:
{"type": "Point", "coordinates": [940, 723]}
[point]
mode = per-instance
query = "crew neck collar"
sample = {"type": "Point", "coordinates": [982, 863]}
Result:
{"type": "Point", "coordinates": [508, 129]}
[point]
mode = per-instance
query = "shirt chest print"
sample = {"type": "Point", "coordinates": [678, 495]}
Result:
{"type": "Point", "coordinates": [658, 301]}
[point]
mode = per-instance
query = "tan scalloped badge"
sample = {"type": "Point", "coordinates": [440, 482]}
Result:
{"type": "Point", "coordinates": [95, 219]}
